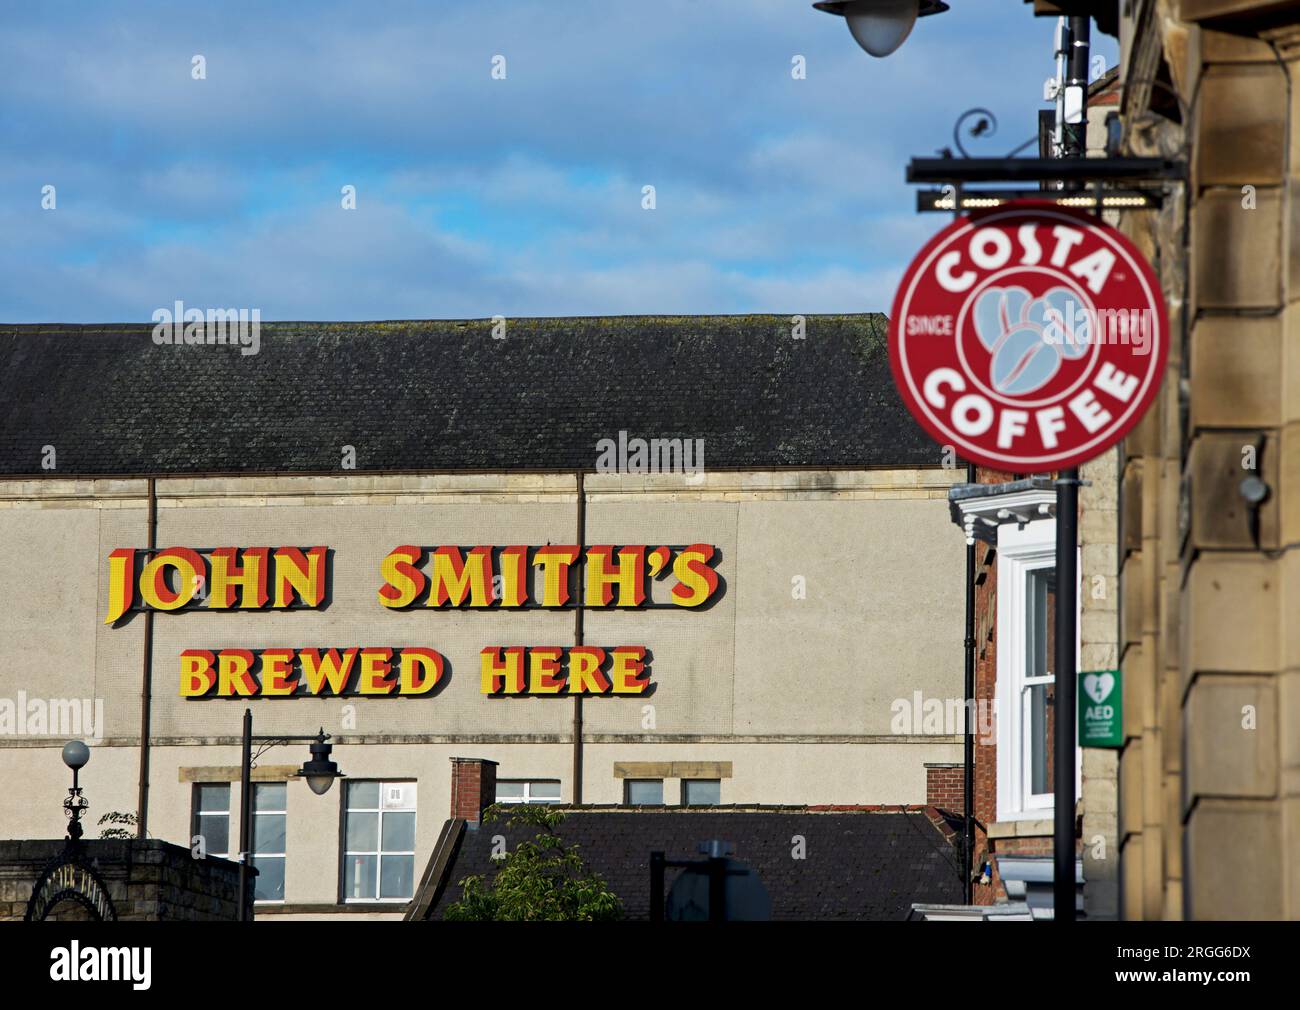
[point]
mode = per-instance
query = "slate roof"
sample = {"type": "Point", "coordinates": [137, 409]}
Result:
{"type": "Point", "coordinates": [859, 865]}
{"type": "Point", "coordinates": [422, 396]}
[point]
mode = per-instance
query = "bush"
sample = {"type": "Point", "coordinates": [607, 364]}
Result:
{"type": "Point", "coordinates": [543, 880]}
{"type": "Point", "coordinates": [117, 817]}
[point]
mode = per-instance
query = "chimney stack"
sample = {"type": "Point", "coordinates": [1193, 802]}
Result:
{"type": "Point", "coordinates": [944, 786]}
{"type": "Point", "coordinates": [473, 787]}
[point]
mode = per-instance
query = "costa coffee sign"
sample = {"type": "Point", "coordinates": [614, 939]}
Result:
{"type": "Point", "coordinates": [1030, 337]}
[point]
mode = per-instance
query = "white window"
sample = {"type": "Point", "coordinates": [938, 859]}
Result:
{"type": "Point", "coordinates": [270, 814]}
{"type": "Point", "coordinates": [1026, 685]}
{"type": "Point", "coordinates": [379, 841]}
{"type": "Point", "coordinates": [211, 820]}
{"type": "Point", "coordinates": [528, 791]}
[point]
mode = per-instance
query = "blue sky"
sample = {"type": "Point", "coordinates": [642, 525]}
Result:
{"type": "Point", "coordinates": [476, 196]}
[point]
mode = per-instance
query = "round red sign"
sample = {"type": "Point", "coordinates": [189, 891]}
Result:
{"type": "Point", "coordinates": [1029, 337]}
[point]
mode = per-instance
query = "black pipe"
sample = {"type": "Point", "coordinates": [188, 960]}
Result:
{"type": "Point", "coordinates": [146, 681]}
{"type": "Point", "coordinates": [577, 635]}
{"type": "Point", "coordinates": [1067, 519]}
{"type": "Point", "coordinates": [1075, 135]}
{"type": "Point", "coordinates": [245, 788]}
{"type": "Point", "coordinates": [1067, 576]}
{"type": "Point", "coordinates": [968, 753]}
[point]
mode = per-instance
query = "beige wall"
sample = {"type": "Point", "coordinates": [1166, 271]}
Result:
{"type": "Point", "coordinates": [797, 694]}
{"type": "Point", "coordinates": [880, 618]}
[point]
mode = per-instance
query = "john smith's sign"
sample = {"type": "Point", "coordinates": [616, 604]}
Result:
{"type": "Point", "coordinates": [443, 577]}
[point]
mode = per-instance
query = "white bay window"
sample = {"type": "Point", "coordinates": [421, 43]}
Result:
{"type": "Point", "coordinates": [1026, 661]}
{"type": "Point", "coordinates": [1018, 518]}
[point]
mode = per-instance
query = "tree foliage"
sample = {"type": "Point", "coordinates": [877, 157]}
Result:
{"type": "Point", "coordinates": [117, 817]}
{"type": "Point", "coordinates": [541, 880]}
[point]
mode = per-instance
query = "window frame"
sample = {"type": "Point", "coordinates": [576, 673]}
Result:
{"type": "Point", "coordinates": [627, 793]}
{"type": "Point", "coordinates": [380, 852]}
{"type": "Point", "coordinates": [528, 799]}
{"type": "Point", "coordinates": [196, 816]}
{"type": "Point", "coordinates": [1022, 550]}
{"type": "Point", "coordinates": [253, 854]}
{"type": "Point", "coordinates": [686, 782]}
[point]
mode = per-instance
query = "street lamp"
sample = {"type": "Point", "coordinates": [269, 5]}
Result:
{"type": "Point", "coordinates": [75, 755]}
{"type": "Point", "coordinates": [319, 771]}
{"type": "Point", "coordinates": [881, 26]}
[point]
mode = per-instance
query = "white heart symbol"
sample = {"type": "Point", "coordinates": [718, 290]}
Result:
{"type": "Point", "coordinates": [1099, 687]}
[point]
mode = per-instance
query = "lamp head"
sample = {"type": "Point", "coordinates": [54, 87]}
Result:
{"type": "Point", "coordinates": [75, 754]}
{"type": "Point", "coordinates": [881, 26]}
{"type": "Point", "coordinates": [319, 771]}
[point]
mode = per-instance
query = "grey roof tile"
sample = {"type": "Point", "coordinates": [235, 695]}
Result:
{"type": "Point", "coordinates": [444, 395]}
{"type": "Point", "coordinates": [858, 865]}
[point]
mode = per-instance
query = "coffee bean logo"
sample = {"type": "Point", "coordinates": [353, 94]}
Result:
{"type": "Point", "coordinates": [1028, 337]}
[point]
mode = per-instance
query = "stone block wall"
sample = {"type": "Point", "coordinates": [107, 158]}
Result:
{"type": "Point", "coordinates": [1209, 791]}
{"type": "Point", "coordinates": [146, 880]}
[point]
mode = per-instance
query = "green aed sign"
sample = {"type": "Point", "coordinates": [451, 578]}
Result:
{"type": "Point", "coordinates": [1101, 708]}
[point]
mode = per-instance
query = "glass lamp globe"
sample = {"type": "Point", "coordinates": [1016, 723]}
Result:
{"type": "Point", "coordinates": [881, 26]}
{"type": "Point", "coordinates": [75, 754]}
{"type": "Point", "coordinates": [319, 771]}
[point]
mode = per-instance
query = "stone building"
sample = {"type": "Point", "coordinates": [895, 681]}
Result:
{"type": "Point", "coordinates": [1209, 794]}
{"type": "Point", "coordinates": [824, 668]}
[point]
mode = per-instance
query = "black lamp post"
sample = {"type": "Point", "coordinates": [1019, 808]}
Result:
{"type": "Point", "coordinates": [1067, 570]}
{"type": "Point", "coordinates": [881, 26]}
{"type": "Point", "coordinates": [319, 771]}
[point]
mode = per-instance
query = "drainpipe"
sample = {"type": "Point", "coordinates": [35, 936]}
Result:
{"type": "Point", "coordinates": [577, 636]}
{"type": "Point", "coordinates": [146, 681]}
{"type": "Point", "coordinates": [968, 755]}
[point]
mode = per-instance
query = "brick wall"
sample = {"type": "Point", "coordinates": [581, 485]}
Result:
{"type": "Point", "coordinates": [986, 672]}
{"type": "Point", "coordinates": [945, 787]}
{"type": "Point", "coordinates": [473, 787]}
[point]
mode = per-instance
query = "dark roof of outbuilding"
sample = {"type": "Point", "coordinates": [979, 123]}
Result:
{"type": "Point", "coordinates": [445, 396]}
{"type": "Point", "coordinates": [856, 865]}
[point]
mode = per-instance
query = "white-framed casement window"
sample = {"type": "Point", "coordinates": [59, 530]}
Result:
{"type": "Point", "coordinates": [270, 818]}
{"type": "Point", "coordinates": [528, 791]}
{"type": "Point", "coordinates": [1026, 684]}
{"type": "Point", "coordinates": [379, 841]}
{"type": "Point", "coordinates": [211, 817]}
